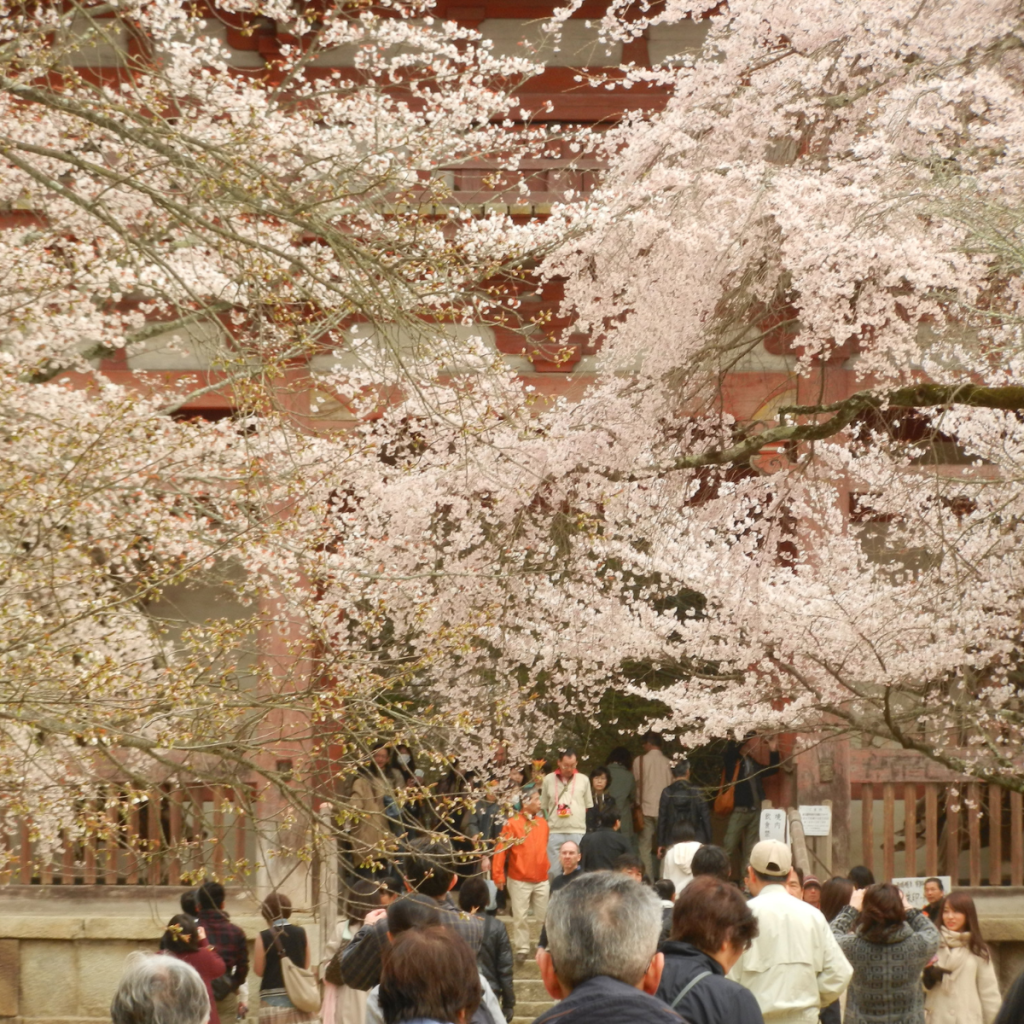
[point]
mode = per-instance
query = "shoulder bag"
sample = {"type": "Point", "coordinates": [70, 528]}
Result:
{"type": "Point", "coordinates": [726, 799]}
{"type": "Point", "coordinates": [638, 803]}
{"type": "Point", "coordinates": [299, 982]}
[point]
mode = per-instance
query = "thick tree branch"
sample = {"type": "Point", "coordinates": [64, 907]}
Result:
{"type": "Point", "coordinates": [917, 396]}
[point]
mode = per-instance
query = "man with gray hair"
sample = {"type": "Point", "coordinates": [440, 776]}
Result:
{"type": "Point", "coordinates": [157, 989]}
{"type": "Point", "coordinates": [602, 958]}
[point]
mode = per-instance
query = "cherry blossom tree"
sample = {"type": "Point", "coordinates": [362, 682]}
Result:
{"type": "Point", "coordinates": [830, 202]}
{"type": "Point", "coordinates": [827, 209]}
{"type": "Point", "coordinates": [158, 198]}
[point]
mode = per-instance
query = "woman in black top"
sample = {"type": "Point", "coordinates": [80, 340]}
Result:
{"type": "Point", "coordinates": [275, 1006]}
{"type": "Point", "coordinates": [600, 781]}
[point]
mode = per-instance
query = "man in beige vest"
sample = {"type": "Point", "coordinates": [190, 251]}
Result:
{"type": "Point", "coordinates": [653, 773]}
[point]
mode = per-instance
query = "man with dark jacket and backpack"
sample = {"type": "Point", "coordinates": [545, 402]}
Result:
{"type": "Point", "coordinates": [681, 803]}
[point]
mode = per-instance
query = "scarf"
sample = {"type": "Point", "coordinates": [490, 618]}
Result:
{"type": "Point", "coordinates": [954, 939]}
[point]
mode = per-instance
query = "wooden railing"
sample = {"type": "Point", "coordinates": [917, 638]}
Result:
{"type": "Point", "coordinates": [156, 838]}
{"type": "Point", "coordinates": [941, 822]}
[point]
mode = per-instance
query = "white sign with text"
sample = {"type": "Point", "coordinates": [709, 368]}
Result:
{"type": "Point", "coordinates": [816, 819]}
{"type": "Point", "coordinates": [774, 825]}
{"type": "Point", "coordinates": [913, 888]}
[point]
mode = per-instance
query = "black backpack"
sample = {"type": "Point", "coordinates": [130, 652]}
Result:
{"type": "Point", "coordinates": [685, 804]}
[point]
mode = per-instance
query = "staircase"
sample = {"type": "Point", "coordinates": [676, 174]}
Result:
{"type": "Point", "coordinates": [532, 998]}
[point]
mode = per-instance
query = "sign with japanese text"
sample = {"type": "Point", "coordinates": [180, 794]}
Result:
{"type": "Point", "coordinates": [816, 819]}
{"type": "Point", "coordinates": [774, 825]}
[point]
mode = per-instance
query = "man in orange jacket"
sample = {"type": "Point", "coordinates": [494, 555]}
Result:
{"type": "Point", "coordinates": [524, 843]}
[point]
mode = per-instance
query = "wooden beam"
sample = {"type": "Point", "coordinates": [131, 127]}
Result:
{"type": "Point", "coordinates": [931, 829]}
{"type": "Point", "coordinates": [974, 832]}
{"type": "Point", "coordinates": [177, 798]}
{"type": "Point", "coordinates": [995, 835]}
{"type": "Point", "coordinates": [154, 836]}
{"type": "Point", "coordinates": [218, 831]}
{"type": "Point", "coordinates": [910, 830]}
{"type": "Point", "coordinates": [798, 841]}
{"type": "Point", "coordinates": [953, 836]}
{"type": "Point", "coordinates": [888, 831]}
{"type": "Point", "coordinates": [110, 847]}
{"type": "Point", "coordinates": [867, 825]}
{"type": "Point", "coordinates": [24, 854]}
{"type": "Point", "coordinates": [132, 874]}
{"type": "Point", "coordinates": [1016, 839]}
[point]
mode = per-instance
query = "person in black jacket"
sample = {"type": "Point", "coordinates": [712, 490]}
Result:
{"type": "Point", "coordinates": [602, 959]}
{"type": "Point", "coordinates": [933, 894]}
{"type": "Point", "coordinates": [711, 926]}
{"type": "Point", "coordinates": [1012, 1011]}
{"type": "Point", "coordinates": [600, 781]}
{"type": "Point", "coordinates": [495, 956]}
{"type": "Point", "coordinates": [681, 803]}
{"type": "Point", "coordinates": [602, 847]}
{"type": "Point", "coordinates": [744, 772]}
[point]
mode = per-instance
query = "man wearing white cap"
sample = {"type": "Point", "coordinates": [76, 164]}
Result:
{"type": "Point", "coordinates": [794, 966]}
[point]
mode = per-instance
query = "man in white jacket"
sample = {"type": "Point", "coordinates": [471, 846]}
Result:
{"type": "Point", "coordinates": [794, 966]}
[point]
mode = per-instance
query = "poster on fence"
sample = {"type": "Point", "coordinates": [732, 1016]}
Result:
{"type": "Point", "coordinates": [913, 888]}
{"type": "Point", "coordinates": [774, 825]}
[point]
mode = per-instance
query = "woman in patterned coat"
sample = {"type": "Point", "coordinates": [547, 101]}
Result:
{"type": "Point", "coordinates": [888, 943]}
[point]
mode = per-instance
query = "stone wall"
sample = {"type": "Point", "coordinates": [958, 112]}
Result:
{"type": "Point", "coordinates": [62, 950]}
{"type": "Point", "coordinates": [61, 953]}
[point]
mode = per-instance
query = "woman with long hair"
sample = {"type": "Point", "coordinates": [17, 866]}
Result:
{"type": "Point", "coordinates": [888, 942]}
{"type": "Point", "coordinates": [185, 939]}
{"type": "Point", "coordinates": [964, 987]}
{"type": "Point", "coordinates": [835, 897]}
{"type": "Point", "coordinates": [600, 783]}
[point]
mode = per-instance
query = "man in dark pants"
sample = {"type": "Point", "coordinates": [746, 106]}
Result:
{"type": "Point", "coordinates": [229, 941]}
{"type": "Point", "coordinates": [742, 769]}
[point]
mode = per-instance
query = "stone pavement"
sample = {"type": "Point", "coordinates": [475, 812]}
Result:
{"type": "Point", "coordinates": [532, 998]}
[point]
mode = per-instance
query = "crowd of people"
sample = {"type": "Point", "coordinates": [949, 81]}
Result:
{"type": "Point", "coordinates": [650, 922]}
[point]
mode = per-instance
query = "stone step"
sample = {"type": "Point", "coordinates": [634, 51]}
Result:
{"type": "Point", "coordinates": [533, 1010]}
{"type": "Point", "coordinates": [531, 990]}
{"type": "Point", "coordinates": [527, 970]}
{"type": "Point", "coordinates": [533, 926]}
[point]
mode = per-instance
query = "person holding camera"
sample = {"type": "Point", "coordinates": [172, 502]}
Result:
{"type": "Point", "coordinates": [888, 943]}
